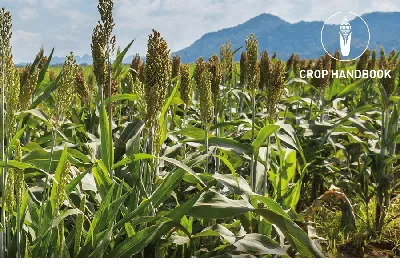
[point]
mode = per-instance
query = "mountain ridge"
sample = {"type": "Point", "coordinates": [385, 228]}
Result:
{"type": "Point", "coordinates": [286, 38]}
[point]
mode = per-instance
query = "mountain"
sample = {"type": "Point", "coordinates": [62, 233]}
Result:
{"type": "Point", "coordinates": [304, 38]}
{"type": "Point", "coordinates": [86, 59]}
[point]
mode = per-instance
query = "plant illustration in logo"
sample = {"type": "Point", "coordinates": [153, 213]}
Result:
{"type": "Point", "coordinates": [345, 37]}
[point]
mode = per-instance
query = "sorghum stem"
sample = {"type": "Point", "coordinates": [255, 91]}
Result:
{"type": "Point", "coordinates": [110, 113]}
{"type": "Point", "coordinates": [47, 178]}
{"type": "Point", "coordinates": [206, 130]}
{"type": "Point", "coordinates": [3, 212]}
{"type": "Point", "coordinates": [252, 169]}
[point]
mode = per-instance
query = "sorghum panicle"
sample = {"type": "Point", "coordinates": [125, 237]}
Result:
{"type": "Point", "coordinates": [289, 63]}
{"type": "Point", "coordinates": [98, 53]}
{"type": "Point", "coordinates": [206, 103]}
{"type": "Point", "coordinates": [214, 67]}
{"type": "Point", "coordinates": [363, 61]}
{"type": "Point", "coordinates": [176, 66]}
{"type": "Point", "coordinates": [65, 92]}
{"type": "Point", "coordinates": [10, 196]}
{"type": "Point", "coordinates": [276, 88]}
{"type": "Point", "coordinates": [136, 67]}
{"type": "Point", "coordinates": [64, 180]}
{"type": "Point", "coordinates": [253, 76]}
{"type": "Point", "coordinates": [114, 87]}
{"type": "Point", "coordinates": [12, 101]}
{"type": "Point", "coordinates": [387, 83]}
{"type": "Point", "coordinates": [226, 55]}
{"type": "Point", "coordinates": [296, 65]}
{"type": "Point", "coordinates": [5, 33]}
{"type": "Point", "coordinates": [265, 70]}
{"type": "Point", "coordinates": [372, 62]}
{"type": "Point", "coordinates": [157, 72]}
{"type": "Point", "coordinates": [200, 67]}
{"type": "Point", "coordinates": [52, 76]}
{"type": "Point", "coordinates": [391, 55]}
{"type": "Point", "coordinates": [105, 8]}
{"type": "Point", "coordinates": [81, 86]}
{"type": "Point", "coordinates": [243, 69]}
{"type": "Point", "coordinates": [185, 86]}
{"type": "Point", "coordinates": [335, 63]}
{"type": "Point", "coordinates": [19, 173]}
{"type": "Point", "coordinates": [28, 87]}
{"type": "Point", "coordinates": [128, 82]}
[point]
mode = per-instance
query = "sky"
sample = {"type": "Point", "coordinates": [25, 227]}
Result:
{"type": "Point", "coordinates": [67, 25]}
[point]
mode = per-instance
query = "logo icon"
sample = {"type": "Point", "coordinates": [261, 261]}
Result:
{"type": "Point", "coordinates": [354, 35]}
{"type": "Point", "coordinates": [345, 37]}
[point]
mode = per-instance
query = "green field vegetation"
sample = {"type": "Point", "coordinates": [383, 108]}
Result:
{"type": "Point", "coordinates": [210, 159]}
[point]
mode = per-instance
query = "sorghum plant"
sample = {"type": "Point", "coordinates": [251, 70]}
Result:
{"type": "Point", "coordinates": [176, 66]}
{"type": "Point", "coordinates": [185, 86]}
{"type": "Point", "coordinates": [243, 68]}
{"type": "Point", "coordinates": [157, 74]}
{"type": "Point", "coordinates": [206, 105]}
{"type": "Point", "coordinates": [136, 67]}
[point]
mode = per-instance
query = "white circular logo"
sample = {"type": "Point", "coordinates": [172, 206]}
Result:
{"type": "Point", "coordinates": [349, 37]}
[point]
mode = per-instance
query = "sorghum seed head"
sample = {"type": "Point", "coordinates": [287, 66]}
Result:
{"type": "Point", "coordinates": [19, 173]}
{"type": "Point", "coordinates": [136, 67]}
{"type": "Point", "coordinates": [372, 62]}
{"type": "Point", "coordinates": [214, 67]}
{"type": "Point", "coordinates": [128, 82]}
{"type": "Point", "coordinates": [157, 72]}
{"type": "Point", "coordinates": [176, 65]}
{"type": "Point", "coordinates": [265, 70]}
{"type": "Point", "coordinates": [296, 65]}
{"type": "Point", "coordinates": [105, 8]}
{"type": "Point", "coordinates": [276, 88]}
{"type": "Point", "coordinates": [65, 92]}
{"type": "Point", "coordinates": [388, 83]}
{"type": "Point", "coordinates": [200, 67]}
{"type": "Point", "coordinates": [28, 86]}
{"type": "Point", "coordinates": [382, 60]}
{"type": "Point", "coordinates": [363, 61]}
{"type": "Point", "coordinates": [81, 86]}
{"type": "Point", "coordinates": [42, 62]}
{"type": "Point", "coordinates": [226, 55]}
{"type": "Point", "coordinates": [5, 33]}
{"type": "Point", "coordinates": [12, 101]}
{"type": "Point", "coordinates": [142, 75]}
{"type": "Point", "coordinates": [335, 62]}
{"type": "Point", "coordinates": [98, 53]}
{"type": "Point", "coordinates": [52, 76]}
{"type": "Point", "coordinates": [289, 63]}
{"type": "Point", "coordinates": [185, 86]}
{"type": "Point", "coordinates": [91, 82]}
{"type": "Point", "coordinates": [391, 55]}
{"type": "Point", "coordinates": [10, 197]}
{"type": "Point", "coordinates": [206, 103]}
{"type": "Point", "coordinates": [243, 69]}
{"type": "Point", "coordinates": [114, 87]}
{"type": "Point", "coordinates": [252, 56]}
{"type": "Point", "coordinates": [64, 180]}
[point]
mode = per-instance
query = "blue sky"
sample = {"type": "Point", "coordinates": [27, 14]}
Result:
{"type": "Point", "coordinates": [67, 24]}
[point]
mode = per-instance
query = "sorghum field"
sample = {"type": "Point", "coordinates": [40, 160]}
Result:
{"type": "Point", "coordinates": [212, 159]}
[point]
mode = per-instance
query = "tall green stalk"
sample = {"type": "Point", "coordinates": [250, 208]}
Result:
{"type": "Point", "coordinates": [111, 162]}
{"type": "Point", "coordinates": [3, 211]}
{"type": "Point", "coordinates": [252, 165]}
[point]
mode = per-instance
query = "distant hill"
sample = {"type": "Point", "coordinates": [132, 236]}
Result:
{"type": "Point", "coordinates": [275, 34]}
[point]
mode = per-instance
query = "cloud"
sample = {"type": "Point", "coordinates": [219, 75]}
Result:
{"type": "Point", "coordinates": [68, 24]}
{"type": "Point", "coordinates": [27, 13]}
